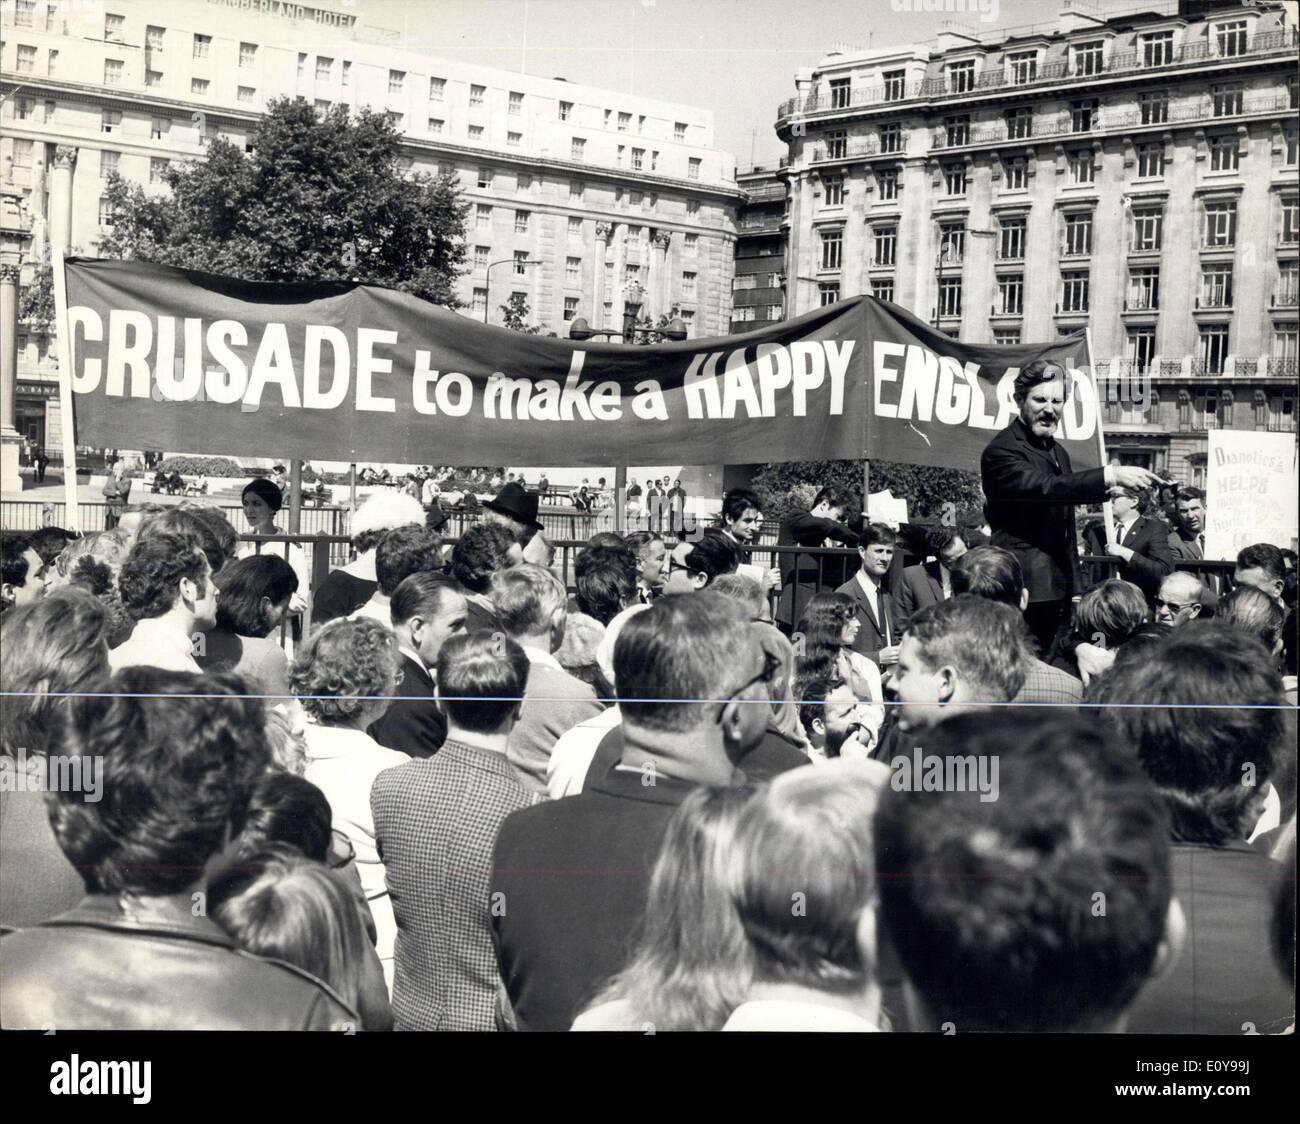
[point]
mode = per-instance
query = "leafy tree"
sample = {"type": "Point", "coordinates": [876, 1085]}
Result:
{"type": "Point", "coordinates": [321, 197]}
{"type": "Point", "coordinates": [515, 313]}
{"type": "Point", "coordinates": [36, 301]}
{"type": "Point", "coordinates": [787, 487]}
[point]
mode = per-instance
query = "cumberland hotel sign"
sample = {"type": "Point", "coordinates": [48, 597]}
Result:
{"type": "Point", "coordinates": [290, 11]}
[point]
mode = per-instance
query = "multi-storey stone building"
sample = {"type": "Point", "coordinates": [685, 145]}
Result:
{"type": "Point", "coordinates": [758, 288]}
{"type": "Point", "coordinates": [582, 199]}
{"type": "Point", "coordinates": [1134, 174]}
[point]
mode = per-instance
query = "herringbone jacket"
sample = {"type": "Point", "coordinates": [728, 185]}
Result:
{"type": "Point", "coordinates": [436, 822]}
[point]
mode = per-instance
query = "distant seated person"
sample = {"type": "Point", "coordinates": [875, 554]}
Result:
{"type": "Point", "coordinates": [1141, 543]}
{"type": "Point", "coordinates": [159, 482]}
{"type": "Point", "coordinates": [146, 958]}
{"type": "Point", "coordinates": [175, 483]}
{"type": "Point", "coordinates": [1183, 597]}
{"type": "Point", "coordinates": [198, 486]}
{"type": "Point", "coordinates": [992, 906]}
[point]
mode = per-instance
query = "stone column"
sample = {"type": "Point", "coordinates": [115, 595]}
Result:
{"type": "Point", "coordinates": [10, 442]}
{"type": "Point", "coordinates": [65, 160]}
{"type": "Point", "coordinates": [659, 284]}
{"type": "Point", "coordinates": [597, 317]}
{"type": "Point", "coordinates": [620, 260]}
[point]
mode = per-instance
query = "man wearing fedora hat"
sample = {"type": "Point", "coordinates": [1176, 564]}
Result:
{"type": "Point", "coordinates": [516, 509]}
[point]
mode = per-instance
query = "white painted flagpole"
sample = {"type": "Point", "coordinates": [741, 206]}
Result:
{"type": "Point", "coordinates": [1107, 514]}
{"type": "Point", "coordinates": [72, 513]}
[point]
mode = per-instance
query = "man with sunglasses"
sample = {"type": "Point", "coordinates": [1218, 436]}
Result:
{"type": "Point", "coordinates": [1182, 597]}
{"type": "Point", "coordinates": [692, 682]}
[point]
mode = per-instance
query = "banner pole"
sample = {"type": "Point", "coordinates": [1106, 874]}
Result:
{"type": "Point", "coordinates": [295, 496]}
{"type": "Point", "coordinates": [1107, 514]}
{"type": "Point", "coordinates": [620, 499]}
{"type": "Point", "coordinates": [72, 510]}
{"type": "Point", "coordinates": [352, 486]}
{"type": "Point", "coordinates": [866, 486]}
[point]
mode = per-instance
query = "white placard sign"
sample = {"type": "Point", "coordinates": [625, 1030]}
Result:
{"type": "Point", "coordinates": [1251, 491]}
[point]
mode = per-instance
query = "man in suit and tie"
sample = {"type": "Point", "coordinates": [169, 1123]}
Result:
{"type": "Point", "coordinates": [1187, 539]}
{"type": "Point", "coordinates": [1141, 543]}
{"type": "Point", "coordinates": [930, 581]}
{"type": "Point", "coordinates": [878, 637]}
{"type": "Point", "coordinates": [427, 610]}
{"type": "Point", "coordinates": [1031, 492]}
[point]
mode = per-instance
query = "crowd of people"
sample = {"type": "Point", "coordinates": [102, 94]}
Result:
{"type": "Point", "coordinates": [685, 792]}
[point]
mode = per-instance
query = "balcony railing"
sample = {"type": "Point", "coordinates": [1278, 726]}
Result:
{"type": "Point", "coordinates": [999, 77]}
{"type": "Point", "coordinates": [849, 150]}
{"type": "Point", "coordinates": [770, 193]}
{"type": "Point", "coordinates": [1287, 367]}
{"type": "Point", "coordinates": [767, 222]}
{"type": "Point", "coordinates": [1142, 304]}
{"type": "Point", "coordinates": [1285, 297]}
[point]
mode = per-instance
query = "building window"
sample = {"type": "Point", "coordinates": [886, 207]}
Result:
{"type": "Point", "coordinates": [828, 292]}
{"type": "Point", "coordinates": [109, 119]}
{"type": "Point", "coordinates": [521, 222]}
{"type": "Point", "coordinates": [523, 182]}
{"type": "Point", "coordinates": [887, 183]}
{"type": "Point", "coordinates": [112, 71]}
{"type": "Point", "coordinates": [1020, 123]}
{"type": "Point", "coordinates": [957, 130]}
{"type": "Point", "coordinates": [521, 256]}
{"type": "Point", "coordinates": [884, 241]}
{"type": "Point", "coordinates": [638, 158]}
{"type": "Point", "coordinates": [1227, 100]}
{"type": "Point", "coordinates": [483, 216]}
{"type": "Point", "coordinates": [882, 288]}
{"type": "Point", "coordinates": [570, 308]}
{"type": "Point", "coordinates": [1143, 289]}
{"type": "Point", "coordinates": [1011, 240]}
{"type": "Point", "coordinates": [572, 271]}
{"type": "Point", "coordinates": [950, 296]}
{"type": "Point", "coordinates": [247, 55]}
{"type": "Point", "coordinates": [1154, 107]}
{"type": "Point", "coordinates": [481, 254]}
{"type": "Point", "coordinates": [1081, 167]}
{"type": "Point", "coordinates": [1224, 154]}
{"type": "Point", "coordinates": [1214, 348]}
{"type": "Point", "coordinates": [895, 83]}
{"type": "Point", "coordinates": [1148, 229]}
{"type": "Point", "coordinates": [1220, 224]}
{"type": "Point", "coordinates": [691, 245]}
{"type": "Point", "coordinates": [631, 273]}
{"type": "Point", "coordinates": [577, 149]}
{"type": "Point", "coordinates": [566, 110]}
{"type": "Point", "coordinates": [1074, 291]}
{"type": "Point", "coordinates": [634, 199]}
{"type": "Point", "coordinates": [476, 94]}
{"type": "Point", "coordinates": [1286, 340]}
{"type": "Point", "coordinates": [24, 108]}
{"type": "Point", "coordinates": [246, 93]}
{"type": "Point", "coordinates": [679, 132]}
{"type": "Point", "coordinates": [692, 206]}
{"type": "Point", "coordinates": [516, 106]}
{"type": "Point", "coordinates": [841, 92]}
{"type": "Point", "coordinates": [744, 281]}
{"type": "Point", "coordinates": [161, 127]}
{"type": "Point", "coordinates": [744, 313]}
{"type": "Point", "coordinates": [199, 87]}
{"type": "Point", "coordinates": [324, 68]}
{"type": "Point", "coordinates": [1290, 220]}
{"type": "Point", "coordinates": [52, 65]}
{"type": "Point", "coordinates": [835, 191]}
{"type": "Point", "coordinates": [1017, 173]}
{"type": "Point", "coordinates": [952, 242]}
{"type": "Point", "coordinates": [891, 137]}
{"type": "Point", "coordinates": [1151, 160]}
{"type": "Point", "coordinates": [108, 163]}
{"type": "Point", "coordinates": [1231, 38]}
{"type": "Point", "coordinates": [26, 62]}
{"type": "Point", "coordinates": [1141, 348]}
{"type": "Point", "coordinates": [1011, 294]}
{"type": "Point", "coordinates": [576, 189]}
{"type": "Point", "coordinates": [1288, 284]}
{"type": "Point", "coordinates": [654, 160]}
{"type": "Point", "coordinates": [23, 13]}
{"type": "Point", "coordinates": [105, 212]}
{"type": "Point", "coordinates": [1158, 48]}
{"type": "Point", "coordinates": [397, 120]}
{"type": "Point", "coordinates": [1078, 236]}
{"type": "Point", "coordinates": [1216, 286]}
{"type": "Point", "coordinates": [837, 145]}
{"type": "Point", "coordinates": [1022, 68]}
{"type": "Point", "coordinates": [688, 285]}
{"type": "Point", "coordinates": [1088, 57]}
{"type": "Point", "coordinates": [158, 168]}
{"type": "Point", "coordinates": [202, 44]}
{"type": "Point", "coordinates": [514, 140]}
{"type": "Point", "coordinates": [575, 227]}
{"type": "Point", "coordinates": [485, 177]}
{"type": "Point", "coordinates": [954, 179]}
{"type": "Point", "coordinates": [961, 76]}
{"type": "Point", "coordinates": [618, 159]}
{"type": "Point", "coordinates": [1006, 337]}
{"type": "Point", "coordinates": [396, 79]}
{"type": "Point", "coordinates": [832, 243]}
{"type": "Point", "coordinates": [435, 125]}
{"type": "Point", "coordinates": [347, 73]}
{"type": "Point", "coordinates": [1083, 115]}
{"type": "Point", "coordinates": [624, 120]}
{"type": "Point", "coordinates": [693, 168]}
{"type": "Point", "coordinates": [479, 304]}
{"type": "Point", "coordinates": [22, 153]}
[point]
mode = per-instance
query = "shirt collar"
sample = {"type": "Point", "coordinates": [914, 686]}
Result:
{"type": "Point", "coordinates": [414, 656]}
{"type": "Point", "coordinates": [537, 655]}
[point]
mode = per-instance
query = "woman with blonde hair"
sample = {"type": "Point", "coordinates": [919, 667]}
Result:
{"type": "Point", "coordinates": [691, 965]}
{"type": "Point", "coordinates": [345, 677]}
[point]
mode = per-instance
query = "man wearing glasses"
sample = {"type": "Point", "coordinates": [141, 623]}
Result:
{"type": "Point", "coordinates": [1182, 597]}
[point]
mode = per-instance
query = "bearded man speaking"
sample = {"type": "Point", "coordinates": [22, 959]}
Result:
{"type": "Point", "coordinates": [1031, 493]}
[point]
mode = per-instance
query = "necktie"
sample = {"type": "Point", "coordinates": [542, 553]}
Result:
{"type": "Point", "coordinates": [1200, 544]}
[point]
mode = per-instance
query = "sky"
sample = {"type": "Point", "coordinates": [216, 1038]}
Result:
{"type": "Point", "coordinates": [735, 57]}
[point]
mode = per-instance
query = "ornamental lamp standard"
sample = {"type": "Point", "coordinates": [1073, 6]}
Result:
{"type": "Point", "coordinates": [520, 266]}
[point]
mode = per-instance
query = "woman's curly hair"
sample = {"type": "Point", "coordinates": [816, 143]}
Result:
{"type": "Point", "coordinates": [343, 665]}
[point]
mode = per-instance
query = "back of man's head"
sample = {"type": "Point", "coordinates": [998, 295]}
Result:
{"type": "Point", "coordinates": [1210, 765]}
{"type": "Point", "coordinates": [149, 583]}
{"type": "Point", "coordinates": [404, 551]}
{"type": "Point", "coordinates": [1042, 909]}
{"type": "Point", "coordinates": [481, 551]}
{"type": "Point", "coordinates": [714, 554]}
{"type": "Point", "coordinates": [746, 592]}
{"type": "Point", "coordinates": [481, 680]}
{"type": "Point", "coordinates": [202, 532]}
{"type": "Point", "coordinates": [605, 581]}
{"type": "Point", "coordinates": [682, 648]}
{"type": "Point", "coordinates": [984, 641]}
{"type": "Point", "coordinates": [802, 876]}
{"type": "Point", "coordinates": [421, 595]}
{"type": "Point", "coordinates": [991, 573]}
{"type": "Point", "coordinates": [529, 601]}
{"type": "Point", "coordinates": [180, 755]}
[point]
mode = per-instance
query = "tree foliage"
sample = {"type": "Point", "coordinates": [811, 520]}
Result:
{"type": "Point", "coordinates": [36, 301]}
{"type": "Point", "coordinates": [789, 487]}
{"type": "Point", "coordinates": [321, 197]}
{"type": "Point", "coordinates": [515, 313]}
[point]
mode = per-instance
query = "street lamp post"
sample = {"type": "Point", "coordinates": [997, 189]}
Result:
{"type": "Point", "coordinates": [487, 280]}
{"type": "Point", "coordinates": [945, 256]}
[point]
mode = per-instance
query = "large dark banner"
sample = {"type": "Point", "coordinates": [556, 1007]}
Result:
{"type": "Point", "coordinates": [166, 358]}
